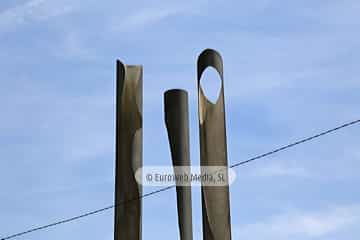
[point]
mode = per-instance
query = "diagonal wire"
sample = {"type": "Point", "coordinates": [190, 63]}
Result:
{"type": "Point", "coordinates": [172, 186]}
{"type": "Point", "coordinates": [85, 214]}
{"type": "Point", "coordinates": [295, 143]}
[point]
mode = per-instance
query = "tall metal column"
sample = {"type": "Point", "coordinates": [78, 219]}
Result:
{"type": "Point", "coordinates": [128, 152]}
{"type": "Point", "coordinates": [177, 124]}
{"type": "Point", "coordinates": [213, 152]}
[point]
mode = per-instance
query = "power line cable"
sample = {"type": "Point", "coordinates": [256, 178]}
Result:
{"type": "Point", "coordinates": [85, 214]}
{"type": "Point", "coordinates": [172, 186]}
{"type": "Point", "coordinates": [295, 143]}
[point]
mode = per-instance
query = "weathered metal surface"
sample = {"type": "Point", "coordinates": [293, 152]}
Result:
{"type": "Point", "coordinates": [128, 152]}
{"type": "Point", "coordinates": [213, 152]}
{"type": "Point", "coordinates": [177, 124]}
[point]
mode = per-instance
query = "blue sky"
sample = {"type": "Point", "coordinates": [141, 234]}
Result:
{"type": "Point", "coordinates": [291, 70]}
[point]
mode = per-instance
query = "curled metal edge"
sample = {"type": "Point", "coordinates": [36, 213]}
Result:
{"type": "Point", "coordinates": [128, 205]}
{"type": "Point", "coordinates": [213, 152]}
{"type": "Point", "coordinates": [177, 124]}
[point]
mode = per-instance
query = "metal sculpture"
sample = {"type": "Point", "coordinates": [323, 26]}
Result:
{"type": "Point", "coordinates": [213, 152]}
{"type": "Point", "coordinates": [177, 124]}
{"type": "Point", "coordinates": [128, 152]}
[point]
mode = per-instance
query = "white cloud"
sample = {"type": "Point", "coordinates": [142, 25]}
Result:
{"type": "Point", "coordinates": [301, 224]}
{"type": "Point", "coordinates": [148, 16]}
{"type": "Point", "coordinates": [280, 170]}
{"type": "Point", "coordinates": [73, 46]}
{"type": "Point", "coordinates": [346, 13]}
{"type": "Point", "coordinates": [34, 10]}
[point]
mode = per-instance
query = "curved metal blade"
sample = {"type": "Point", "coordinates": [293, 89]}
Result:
{"type": "Point", "coordinates": [128, 152]}
{"type": "Point", "coordinates": [213, 152]}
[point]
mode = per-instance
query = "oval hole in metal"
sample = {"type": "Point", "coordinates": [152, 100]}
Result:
{"type": "Point", "coordinates": [211, 84]}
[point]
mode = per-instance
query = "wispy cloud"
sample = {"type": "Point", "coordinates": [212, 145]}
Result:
{"type": "Point", "coordinates": [346, 13]}
{"type": "Point", "coordinates": [73, 46]}
{"type": "Point", "coordinates": [149, 16]}
{"type": "Point", "coordinates": [280, 170]}
{"type": "Point", "coordinates": [302, 224]}
{"type": "Point", "coordinates": [34, 10]}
